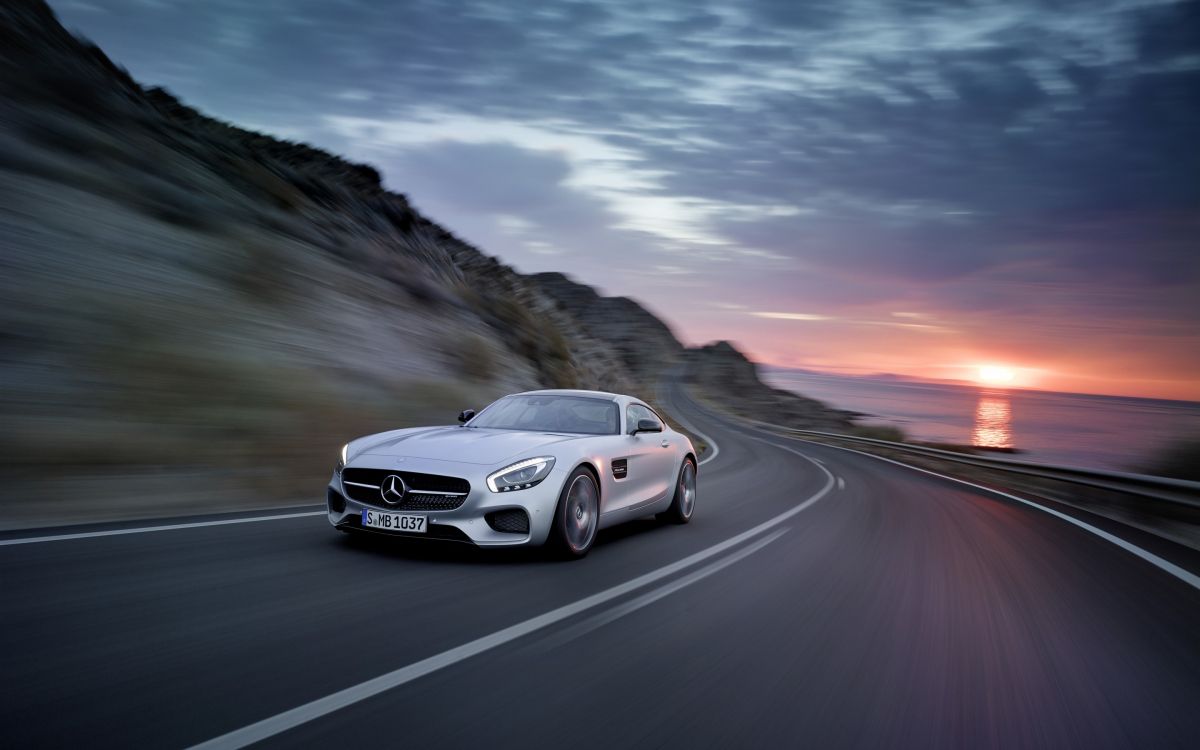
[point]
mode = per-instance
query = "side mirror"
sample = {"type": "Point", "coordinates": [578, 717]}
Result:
{"type": "Point", "coordinates": [648, 425]}
{"type": "Point", "coordinates": [466, 415]}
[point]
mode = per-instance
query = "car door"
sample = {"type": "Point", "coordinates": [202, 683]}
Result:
{"type": "Point", "coordinates": [649, 471]}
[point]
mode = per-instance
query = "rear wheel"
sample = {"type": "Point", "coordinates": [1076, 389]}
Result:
{"type": "Point", "coordinates": [684, 501]}
{"type": "Point", "coordinates": [577, 516]}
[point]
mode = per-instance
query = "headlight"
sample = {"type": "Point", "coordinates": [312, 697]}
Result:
{"type": "Point", "coordinates": [342, 458]}
{"type": "Point", "coordinates": [521, 475]}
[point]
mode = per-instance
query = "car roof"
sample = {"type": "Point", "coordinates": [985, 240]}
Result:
{"type": "Point", "coordinates": [577, 392]}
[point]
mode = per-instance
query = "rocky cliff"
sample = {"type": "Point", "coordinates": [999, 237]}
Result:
{"type": "Point", "coordinates": [202, 314]}
{"type": "Point", "coordinates": [199, 314]}
{"type": "Point", "coordinates": [644, 343]}
{"type": "Point", "coordinates": [729, 380]}
{"type": "Point", "coordinates": [718, 371]}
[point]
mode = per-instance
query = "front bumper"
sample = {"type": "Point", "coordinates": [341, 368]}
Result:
{"type": "Point", "coordinates": [467, 522]}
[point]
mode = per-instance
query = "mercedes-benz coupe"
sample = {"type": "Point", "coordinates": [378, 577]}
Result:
{"type": "Point", "coordinates": [543, 467]}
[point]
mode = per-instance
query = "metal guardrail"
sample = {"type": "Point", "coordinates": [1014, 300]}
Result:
{"type": "Point", "coordinates": [1179, 491]}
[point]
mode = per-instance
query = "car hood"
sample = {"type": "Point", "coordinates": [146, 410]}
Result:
{"type": "Point", "coordinates": [463, 444]}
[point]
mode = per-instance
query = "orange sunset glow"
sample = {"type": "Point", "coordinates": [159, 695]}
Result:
{"type": "Point", "coordinates": [995, 375]}
{"type": "Point", "coordinates": [1100, 356]}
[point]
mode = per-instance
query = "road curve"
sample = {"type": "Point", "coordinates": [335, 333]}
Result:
{"type": "Point", "coordinates": [819, 598]}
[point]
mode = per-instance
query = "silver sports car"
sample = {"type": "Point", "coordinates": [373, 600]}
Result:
{"type": "Point", "coordinates": [532, 468]}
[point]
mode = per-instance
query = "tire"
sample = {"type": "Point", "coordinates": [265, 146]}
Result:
{"type": "Point", "coordinates": [684, 502]}
{"type": "Point", "coordinates": [577, 516]}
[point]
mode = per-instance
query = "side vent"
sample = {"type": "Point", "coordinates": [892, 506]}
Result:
{"type": "Point", "coordinates": [620, 467]}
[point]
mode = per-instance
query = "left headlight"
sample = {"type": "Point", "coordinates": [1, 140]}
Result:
{"type": "Point", "coordinates": [521, 475]}
{"type": "Point", "coordinates": [342, 458]}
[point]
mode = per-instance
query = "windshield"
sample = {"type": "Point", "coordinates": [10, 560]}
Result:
{"type": "Point", "coordinates": [552, 413]}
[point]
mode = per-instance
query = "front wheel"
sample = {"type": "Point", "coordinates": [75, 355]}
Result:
{"type": "Point", "coordinates": [577, 516]}
{"type": "Point", "coordinates": [684, 501]}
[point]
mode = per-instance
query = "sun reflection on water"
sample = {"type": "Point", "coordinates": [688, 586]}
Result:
{"type": "Point", "coordinates": [993, 421]}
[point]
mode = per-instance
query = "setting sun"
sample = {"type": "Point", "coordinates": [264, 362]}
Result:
{"type": "Point", "coordinates": [995, 375]}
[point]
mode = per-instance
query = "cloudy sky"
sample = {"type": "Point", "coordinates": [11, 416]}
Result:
{"type": "Point", "coordinates": [861, 186]}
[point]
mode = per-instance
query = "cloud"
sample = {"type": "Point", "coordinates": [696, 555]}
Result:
{"type": "Point", "coordinates": [790, 316]}
{"type": "Point", "coordinates": [1022, 159]}
{"type": "Point", "coordinates": [619, 177]}
{"type": "Point", "coordinates": [353, 95]}
{"type": "Point", "coordinates": [815, 318]}
{"type": "Point", "coordinates": [82, 7]}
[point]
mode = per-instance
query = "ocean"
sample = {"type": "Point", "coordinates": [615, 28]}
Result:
{"type": "Point", "coordinates": [1106, 432]}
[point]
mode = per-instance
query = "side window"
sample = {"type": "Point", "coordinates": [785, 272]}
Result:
{"type": "Point", "coordinates": [636, 412]}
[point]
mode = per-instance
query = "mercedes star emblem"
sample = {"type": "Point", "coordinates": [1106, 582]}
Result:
{"type": "Point", "coordinates": [393, 490]}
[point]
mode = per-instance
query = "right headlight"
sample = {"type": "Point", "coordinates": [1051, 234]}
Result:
{"type": "Point", "coordinates": [521, 475]}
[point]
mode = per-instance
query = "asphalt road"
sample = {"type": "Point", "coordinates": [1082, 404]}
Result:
{"type": "Point", "coordinates": [818, 599]}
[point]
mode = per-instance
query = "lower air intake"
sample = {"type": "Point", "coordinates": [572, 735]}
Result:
{"type": "Point", "coordinates": [511, 521]}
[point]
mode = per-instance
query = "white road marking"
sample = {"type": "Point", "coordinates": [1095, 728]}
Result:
{"type": "Point", "coordinates": [601, 619]}
{"type": "Point", "coordinates": [841, 483]}
{"type": "Point", "coordinates": [295, 717]}
{"type": "Point", "coordinates": [714, 449]}
{"type": "Point", "coordinates": [1166, 566]}
{"type": "Point", "coordinates": [148, 529]}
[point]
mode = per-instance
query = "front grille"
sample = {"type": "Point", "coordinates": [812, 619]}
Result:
{"type": "Point", "coordinates": [511, 521]}
{"type": "Point", "coordinates": [414, 480]}
{"type": "Point", "coordinates": [417, 501]}
{"type": "Point", "coordinates": [425, 491]}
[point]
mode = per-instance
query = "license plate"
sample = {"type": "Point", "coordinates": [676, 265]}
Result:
{"type": "Point", "coordinates": [377, 519]}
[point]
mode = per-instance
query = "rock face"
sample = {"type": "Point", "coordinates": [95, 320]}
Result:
{"type": "Point", "coordinates": [644, 343]}
{"type": "Point", "coordinates": [722, 373]}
